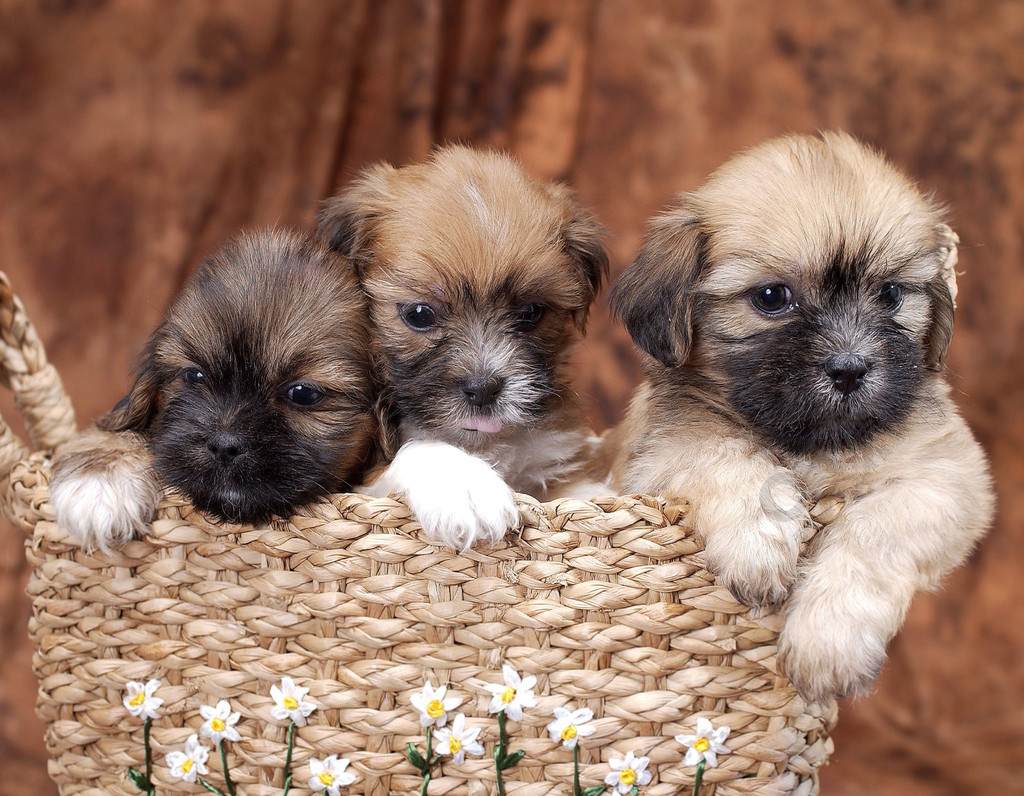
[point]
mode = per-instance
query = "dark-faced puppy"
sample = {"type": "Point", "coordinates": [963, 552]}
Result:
{"type": "Point", "coordinates": [796, 311]}
{"type": "Point", "coordinates": [253, 396]}
{"type": "Point", "coordinates": [480, 280]}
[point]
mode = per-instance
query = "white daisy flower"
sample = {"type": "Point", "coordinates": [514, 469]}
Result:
{"type": "Point", "coordinates": [705, 745]}
{"type": "Point", "coordinates": [289, 704]}
{"type": "Point", "coordinates": [627, 772]}
{"type": "Point", "coordinates": [514, 695]}
{"type": "Point", "coordinates": [433, 706]}
{"type": "Point", "coordinates": [219, 723]}
{"type": "Point", "coordinates": [191, 763]}
{"type": "Point", "coordinates": [329, 774]}
{"type": "Point", "coordinates": [571, 725]}
{"type": "Point", "coordinates": [458, 740]}
{"type": "Point", "coordinates": [140, 701]}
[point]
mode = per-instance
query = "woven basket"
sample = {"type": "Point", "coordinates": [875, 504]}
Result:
{"type": "Point", "coordinates": [607, 602]}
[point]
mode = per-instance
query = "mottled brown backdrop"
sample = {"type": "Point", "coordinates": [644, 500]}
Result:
{"type": "Point", "coordinates": [135, 135]}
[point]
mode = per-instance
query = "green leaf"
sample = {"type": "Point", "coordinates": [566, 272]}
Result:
{"type": "Point", "coordinates": [138, 779]}
{"type": "Point", "coordinates": [594, 790]}
{"type": "Point", "coordinates": [512, 759]}
{"type": "Point", "coordinates": [416, 758]}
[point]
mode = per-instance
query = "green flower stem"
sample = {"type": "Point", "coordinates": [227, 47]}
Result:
{"type": "Point", "coordinates": [288, 759]}
{"type": "Point", "coordinates": [499, 758]}
{"type": "Point", "coordinates": [150, 790]}
{"type": "Point", "coordinates": [576, 770]}
{"type": "Point", "coordinates": [430, 763]}
{"type": "Point", "coordinates": [211, 788]}
{"type": "Point", "coordinates": [227, 775]}
{"type": "Point", "coordinates": [698, 777]}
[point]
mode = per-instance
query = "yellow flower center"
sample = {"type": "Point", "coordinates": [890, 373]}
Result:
{"type": "Point", "coordinates": [508, 695]}
{"type": "Point", "coordinates": [138, 699]}
{"type": "Point", "coordinates": [217, 725]}
{"type": "Point", "coordinates": [569, 732]}
{"type": "Point", "coordinates": [326, 779]}
{"type": "Point", "coordinates": [627, 776]}
{"type": "Point", "coordinates": [186, 766]}
{"type": "Point", "coordinates": [702, 745]}
{"type": "Point", "coordinates": [454, 745]}
{"type": "Point", "coordinates": [435, 709]}
{"type": "Point", "coordinates": [290, 703]}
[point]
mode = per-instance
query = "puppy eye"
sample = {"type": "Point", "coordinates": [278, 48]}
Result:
{"type": "Point", "coordinates": [193, 375]}
{"type": "Point", "coordinates": [529, 316]}
{"type": "Point", "coordinates": [418, 316]}
{"type": "Point", "coordinates": [773, 299]}
{"type": "Point", "coordinates": [304, 394]}
{"type": "Point", "coordinates": [891, 296]}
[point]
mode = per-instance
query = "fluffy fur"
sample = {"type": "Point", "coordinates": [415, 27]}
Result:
{"type": "Point", "coordinates": [253, 396]}
{"type": "Point", "coordinates": [480, 280]}
{"type": "Point", "coordinates": [796, 311]}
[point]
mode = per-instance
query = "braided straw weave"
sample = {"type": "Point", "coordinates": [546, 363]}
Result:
{"type": "Point", "coordinates": [607, 602]}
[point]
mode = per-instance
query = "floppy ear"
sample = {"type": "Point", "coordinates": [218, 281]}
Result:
{"type": "Point", "coordinates": [581, 236]}
{"type": "Point", "coordinates": [654, 296]}
{"type": "Point", "coordinates": [347, 220]}
{"type": "Point", "coordinates": [941, 292]}
{"type": "Point", "coordinates": [135, 411]}
{"type": "Point", "coordinates": [948, 241]}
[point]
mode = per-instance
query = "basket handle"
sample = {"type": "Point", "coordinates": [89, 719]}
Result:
{"type": "Point", "coordinates": [38, 391]}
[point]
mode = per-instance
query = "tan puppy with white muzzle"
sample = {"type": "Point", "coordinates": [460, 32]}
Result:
{"type": "Point", "coordinates": [797, 309]}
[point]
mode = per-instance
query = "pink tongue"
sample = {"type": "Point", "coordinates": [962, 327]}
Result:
{"type": "Point", "coordinates": [488, 425]}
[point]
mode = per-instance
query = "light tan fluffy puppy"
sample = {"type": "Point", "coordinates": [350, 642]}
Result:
{"type": "Point", "coordinates": [480, 280]}
{"type": "Point", "coordinates": [797, 309]}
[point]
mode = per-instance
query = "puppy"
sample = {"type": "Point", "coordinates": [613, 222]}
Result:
{"type": "Point", "coordinates": [479, 280]}
{"type": "Point", "coordinates": [796, 310]}
{"type": "Point", "coordinates": [253, 396]}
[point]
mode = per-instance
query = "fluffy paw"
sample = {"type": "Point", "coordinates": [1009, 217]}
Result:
{"type": "Point", "coordinates": [752, 545]}
{"type": "Point", "coordinates": [826, 654]}
{"type": "Point", "coordinates": [104, 490]}
{"type": "Point", "coordinates": [759, 576]}
{"type": "Point", "coordinates": [457, 499]}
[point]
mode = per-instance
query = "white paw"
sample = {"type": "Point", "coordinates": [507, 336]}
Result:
{"type": "Point", "coordinates": [103, 501]}
{"type": "Point", "coordinates": [457, 499]}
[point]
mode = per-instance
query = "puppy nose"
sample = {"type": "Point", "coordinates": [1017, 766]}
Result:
{"type": "Point", "coordinates": [225, 446]}
{"type": "Point", "coordinates": [847, 372]}
{"type": "Point", "coordinates": [482, 390]}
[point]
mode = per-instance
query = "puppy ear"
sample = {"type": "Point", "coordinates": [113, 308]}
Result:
{"type": "Point", "coordinates": [582, 238]}
{"type": "Point", "coordinates": [654, 296]}
{"type": "Point", "coordinates": [135, 411]}
{"type": "Point", "coordinates": [347, 220]}
{"type": "Point", "coordinates": [948, 241]}
{"type": "Point", "coordinates": [942, 295]}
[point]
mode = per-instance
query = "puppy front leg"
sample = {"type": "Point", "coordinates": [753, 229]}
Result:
{"type": "Point", "coordinates": [747, 509]}
{"type": "Point", "coordinates": [751, 517]}
{"type": "Point", "coordinates": [457, 499]}
{"type": "Point", "coordinates": [104, 489]}
{"type": "Point", "coordinates": [854, 591]}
